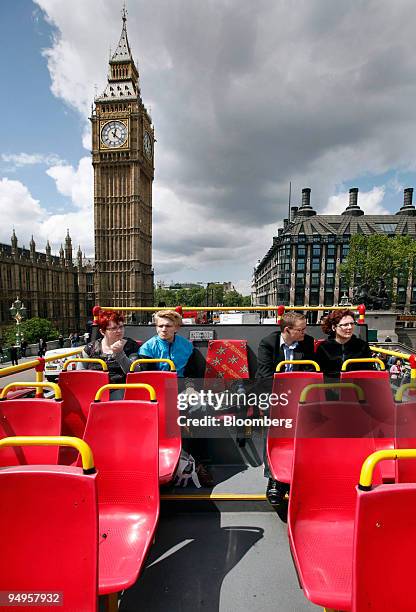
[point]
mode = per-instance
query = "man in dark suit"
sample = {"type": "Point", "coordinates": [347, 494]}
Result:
{"type": "Point", "coordinates": [288, 344]}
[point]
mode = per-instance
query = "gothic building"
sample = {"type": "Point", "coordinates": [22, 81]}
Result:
{"type": "Point", "coordinates": [122, 157]}
{"type": "Point", "coordinates": [51, 287]}
{"type": "Point", "coordinates": [302, 265]}
{"type": "Point", "coordinates": [64, 290]}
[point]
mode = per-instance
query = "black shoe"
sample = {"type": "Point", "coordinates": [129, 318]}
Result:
{"type": "Point", "coordinates": [276, 492]}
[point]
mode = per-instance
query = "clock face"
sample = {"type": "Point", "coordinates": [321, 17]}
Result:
{"type": "Point", "coordinates": [147, 145]}
{"type": "Point", "coordinates": [114, 134]}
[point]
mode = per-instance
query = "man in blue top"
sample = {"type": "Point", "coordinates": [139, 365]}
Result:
{"type": "Point", "coordinates": [166, 344]}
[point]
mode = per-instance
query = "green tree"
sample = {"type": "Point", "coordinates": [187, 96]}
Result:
{"type": "Point", "coordinates": [379, 256]}
{"type": "Point", "coordinates": [211, 295]}
{"type": "Point", "coordinates": [31, 330]}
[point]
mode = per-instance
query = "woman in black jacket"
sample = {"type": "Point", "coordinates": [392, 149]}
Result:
{"type": "Point", "coordinates": [341, 345]}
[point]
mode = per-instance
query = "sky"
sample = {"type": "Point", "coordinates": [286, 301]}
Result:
{"type": "Point", "coordinates": [245, 98]}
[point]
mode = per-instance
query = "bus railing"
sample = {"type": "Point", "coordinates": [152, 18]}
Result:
{"type": "Point", "coordinates": [38, 364]}
{"type": "Point", "coordinates": [280, 309]}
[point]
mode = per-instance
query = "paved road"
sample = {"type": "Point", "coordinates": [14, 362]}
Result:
{"type": "Point", "coordinates": [27, 375]}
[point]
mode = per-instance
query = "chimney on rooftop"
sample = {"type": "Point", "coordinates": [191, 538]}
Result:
{"type": "Point", "coordinates": [407, 208]}
{"type": "Point", "coordinates": [306, 196]}
{"type": "Point", "coordinates": [293, 212]}
{"type": "Point", "coordinates": [353, 209]}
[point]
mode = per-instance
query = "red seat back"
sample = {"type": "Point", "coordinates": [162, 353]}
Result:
{"type": "Point", "coordinates": [124, 438]}
{"type": "Point", "coordinates": [330, 447]}
{"type": "Point", "coordinates": [406, 438]}
{"type": "Point", "coordinates": [379, 398]}
{"type": "Point", "coordinates": [78, 391]}
{"type": "Point", "coordinates": [225, 360]}
{"type": "Point", "coordinates": [49, 533]}
{"type": "Point", "coordinates": [29, 417]}
{"type": "Point", "coordinates": [384, 548]}
{"type": "Point", "coordinates": [378, 394]}
{"type": "Point", "coordinates": [287, 387]}
{"type": "Point", "coordinates": [170, 442]}
{"type": "Point", "coordinates": [166, 386]}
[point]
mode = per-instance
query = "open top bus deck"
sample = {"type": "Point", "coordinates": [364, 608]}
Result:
{"type": "Point", "coordinates": [219, 548]}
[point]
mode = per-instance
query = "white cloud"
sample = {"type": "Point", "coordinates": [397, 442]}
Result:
{"type": "Point", "coordinates": [246, 98]}
{"type": "Point", "coordinates": [370, 202]}
{"type": "Point", "coordinates": [81, 229]}
{"type": "Point", "coordinates": [21, 211]}
{"type": "Point", "coordinates": [25, 214]}
{"type": "Point", "coordinates": [78, 184]}
{"type": "Point", "coordinates": [29, 159]}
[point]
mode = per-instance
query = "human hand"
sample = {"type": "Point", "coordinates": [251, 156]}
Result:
{"type": "Point", "coordinates": [118, 346]}
{"type": "Point", "coordinates": [189, 391]}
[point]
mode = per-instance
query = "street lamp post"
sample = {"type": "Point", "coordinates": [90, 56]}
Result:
{"type": "Point", "coordinates": [18, 312]}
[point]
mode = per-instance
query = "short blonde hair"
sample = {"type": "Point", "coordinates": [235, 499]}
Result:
{"type": "Point", "coordinates": [172, 315]}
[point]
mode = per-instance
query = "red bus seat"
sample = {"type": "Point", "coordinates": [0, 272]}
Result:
{"type": "Point", "coordinates": [379, 397]}
{"type": "Point", "coordinates": [280, 440]}
{"type": "Point", "coordinates": [29, 417]}
{"type": "Point", "coordinates": [124, 438]}
{"type": "Point", "coordinates": [78, 389]}
{"type": "Point", "coordinates": [406, 432]}
{"type": "Point", "coordinates": [225, 360]}
{"type": "Point", "coordinates": [384, 546]}
{"type": "Point", "coordinates": [49, 533]}
{"type": "Point", "coordinates": [316, 343]}
{"type": "Point", "coordinates": [326, 469]}
{"type": "Point", "coordinates": [166, 386]}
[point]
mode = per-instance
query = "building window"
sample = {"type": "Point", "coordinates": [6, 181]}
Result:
{"type": "Point", "coordinates": [315, 280]}
{"type": "Point", "coordinates": [330, 250]}
{"type": "Point", "coordinates": [299, 297]}
{"type": "Point", "coordinates": [329, 298]}
{"type": "Point", "coordinates": [316, 265]}
{"type": "Point", "coordinates": [301, 251]}
{"type": "Point", "coordinates": [316, 250]}
{"type": "Point", "coordinates": [314, 297]}
{"type": "Point", "coordinates": [300, 265]}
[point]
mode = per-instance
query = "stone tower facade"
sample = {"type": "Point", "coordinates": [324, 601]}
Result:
{"type": "Point", "coordinates": [122, 157]}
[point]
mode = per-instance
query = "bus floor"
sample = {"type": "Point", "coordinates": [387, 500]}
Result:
{"type": "Point", "coordinates": [227, 556]}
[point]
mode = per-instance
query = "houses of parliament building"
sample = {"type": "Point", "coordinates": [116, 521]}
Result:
{"type": "Point", "coordinates": [64, 289]}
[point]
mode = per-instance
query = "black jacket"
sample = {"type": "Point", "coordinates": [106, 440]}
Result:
{"type": "Point", "coordinates": [271, 353]}
{"type": "Point", "coordinates": [331, 355]}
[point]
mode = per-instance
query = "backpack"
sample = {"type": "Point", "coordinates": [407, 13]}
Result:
{"type": "Point", "coordinates": [186, 471]}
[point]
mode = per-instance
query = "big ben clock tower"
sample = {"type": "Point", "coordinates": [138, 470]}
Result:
{"type": "Point", "coordinates": [122, 157]}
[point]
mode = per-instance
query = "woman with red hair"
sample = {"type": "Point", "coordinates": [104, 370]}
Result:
{"type": "Point", "coordinates": [112, 347]}
{"type": "Point", "coordinates": [342, 344]}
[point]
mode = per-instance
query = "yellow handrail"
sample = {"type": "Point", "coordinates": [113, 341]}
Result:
{"type": "Point", "coordinates": [362, 360]}
{"type": "Point", "coordinates": [308, 388]}
{"type": "Point", "coordinates": [378, 349]}
{"type": "Point", "coordinates": [63, 355]}
{"type": "Point", "coordinates": [226, 308]}
{"type": "Point", "coordinates": [81, 446]}
{"type": "Point", "coordinates": [85, 360]}
{"type": "Point", "coordinates": [367, 469]}
{"type": "Point", "coordinates": [401, 390]}
{"type": "Point", "coordinates": [35, 385]}
{"type": "Point", "coordinates": [138, 361]}
{"type": "Point", "coordinates": [297, 362]}
{"type": "Point", "coordinates": [148, 388]}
